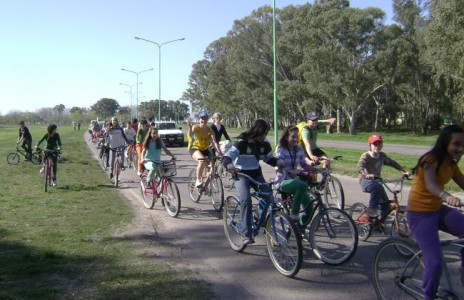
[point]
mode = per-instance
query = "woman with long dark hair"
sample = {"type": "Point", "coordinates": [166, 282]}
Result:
{"type": "Point", "coordinates": [53, 143]}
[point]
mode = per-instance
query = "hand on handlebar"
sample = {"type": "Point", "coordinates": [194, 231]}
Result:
{"type": "Point", "coordinates": [453, 201]}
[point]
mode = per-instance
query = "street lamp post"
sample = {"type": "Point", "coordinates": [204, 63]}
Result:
{"type": "Point", "coordinates": [130, 92]}
{"type": "Point", "coordinates": [159, 67]}
{"type": "Point", "coordinates": [137, 74]}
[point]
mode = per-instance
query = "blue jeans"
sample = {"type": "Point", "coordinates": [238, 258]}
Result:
{"type": "Point", "coordinates": [424, 228]}
{"type": "Point", "coordinates": [377, 194]}
{"type": "Point", "coordinates": [243, 188]}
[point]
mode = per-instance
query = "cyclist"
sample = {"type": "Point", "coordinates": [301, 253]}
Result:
{"type": "Point", "coordinates": [309, 137]}
{"type": "Point", "coordinates": [115, 138]}
{"type": "Point", "coordinates": [130, 133]}
{"type": "Point", "coordinates": [200, 137]}
{"type": "Point", "coordinates": [218, 128]}
{"type": "Point", "coordinates": [53, 143]}
{"type": "Point", "coordinates": [426, 213]}
{"type": "Point", "coordinates": [293, 156]}
{"type": "Point", "coordinates": [370, 167]}
{"type": "Point", "coordinates": [25, 139]}
{"type": "Point", "coordinates": [96, 130]}
{"type": "Point", "coordinates": [245, 155]}
{"type": "Point", "coordinates": [139, 138]}
{"type": "Point", "coordinates": [151, 154]}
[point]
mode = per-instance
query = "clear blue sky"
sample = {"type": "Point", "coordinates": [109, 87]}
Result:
{"type": "Point", "coordinates": [71, 52]}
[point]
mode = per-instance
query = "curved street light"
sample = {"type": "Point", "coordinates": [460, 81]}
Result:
{"type": "Point", "coordinates": [137, 73]}
{"type": "Point", "coordinates": [159, 66]}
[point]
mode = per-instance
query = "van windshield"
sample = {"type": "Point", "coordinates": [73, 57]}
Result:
{"type": "Point", "coordinates": [167, 126]}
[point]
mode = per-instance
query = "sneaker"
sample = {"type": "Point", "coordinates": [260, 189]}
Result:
{"type": "Point", "coordinates": [111, 175]}
{"type": "Point", "coordinates": [41, 170]}
{"type": "Point", "coordinates": [198, 184]}
{"type": "Point", "coordinates": [247, 240]}
{"type": "Point", "coordinates": [53, 183]}
{"type": "Point", "coordinates": [294, 217]}
{"type": "Point", "coordinates": [139, 174]}
{"type": "Point", "coordinates": [372, 212]}
{"type": "Point", "coordinates": [383, 229]}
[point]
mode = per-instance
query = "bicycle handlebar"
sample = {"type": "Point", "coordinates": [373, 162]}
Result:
{"type": "Point", "coordinates": [237, 174]}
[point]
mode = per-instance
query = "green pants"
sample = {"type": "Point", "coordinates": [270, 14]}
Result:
{"type": "Point", "coordinates": [152, 169]}
{"type": "Point", "coordinates": [299, 190]}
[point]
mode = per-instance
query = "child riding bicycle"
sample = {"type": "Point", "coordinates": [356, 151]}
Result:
{"type": "Point", "coordinates": [370, 167]}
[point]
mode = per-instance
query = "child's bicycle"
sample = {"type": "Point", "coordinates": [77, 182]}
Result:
{"type": "Point", "coordinates": [366, 224]}
{"type": "Point", "coordinates": [212, 184]}
{"type": "Point", "coordinates": [283, 239]}
{"type": "Point", "coordinates": [397, 269]}
{"type": "Point", "coordinates": [330, 231]}
{"type": "Point", "coordinates": [13, 157]}
{"type": "Point", "coordinates": [165, 188]}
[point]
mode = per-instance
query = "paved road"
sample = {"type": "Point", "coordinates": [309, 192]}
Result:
{"type": "Point", "coordinates": [196, 238]}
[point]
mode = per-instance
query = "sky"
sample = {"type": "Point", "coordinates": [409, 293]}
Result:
{"type": "Point", "coordinates": [71, 52]}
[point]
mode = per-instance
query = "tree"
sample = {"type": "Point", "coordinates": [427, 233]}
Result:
{"type": "Point", "coordinates": [105, 108]}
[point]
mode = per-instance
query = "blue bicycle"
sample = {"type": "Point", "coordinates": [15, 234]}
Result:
{"type": "Point", "coordinates": [283, 239]}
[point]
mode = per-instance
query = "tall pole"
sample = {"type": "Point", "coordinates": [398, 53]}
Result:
{"type": "Point", "coordinates": [137, 74]}
{"type": "Point", "coordinates": [131, 95]}
{"type": "Point", "coordinates": [275, 72]}
{"type": "Point", "coordinates": [159, 67]}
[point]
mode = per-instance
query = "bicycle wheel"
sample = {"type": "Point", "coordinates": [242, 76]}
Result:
{"type": "Point", "coordinates": [333, 236]}
{"type": "Point", "coordinates": [104, 162]}
{"type": "Point", "coordinates": [231, 219]}
{"type": "Point", "coordinates": [35, 159]}
{"type": "Point", "coordinates": [116, 170]}
{"type": "Point", "coordinates": [148, 196]}
{"type": "Point", "coordinates": [12, 158]}
{"type": "Point", "coordinates": [217, 193]}
{"type": "Point", "coordinates": [135, 161]}
{"type": "Point", "coordinates": [48, 175]}
{"type": "Point", "coordinates": [362, 221]}
{"type": "Point", "coordinates": [193, 191]}
{"type": "Point", "coordinates": [171, 198]}
{"type": "Point", "coordinates": [283, 241]}
{"type": "Point", "coordinates": [334, 195]}
{"type": "Point", "coordinates": [394, 275]}
{"type": "Point", "coordinates": [403, 229]}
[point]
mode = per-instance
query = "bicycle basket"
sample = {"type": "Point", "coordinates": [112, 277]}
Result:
{"type": "Point", "coordinates": [168, 169]}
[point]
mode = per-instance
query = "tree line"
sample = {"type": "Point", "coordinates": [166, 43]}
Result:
{"type": "Point", "coordinates": [341, 61]}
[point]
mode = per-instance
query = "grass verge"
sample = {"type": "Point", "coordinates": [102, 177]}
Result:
{"type": "Point", "coordinates": [71, 242]}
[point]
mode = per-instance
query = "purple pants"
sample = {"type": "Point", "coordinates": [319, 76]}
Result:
{"type": "Point", "coordinates": [424, 228]}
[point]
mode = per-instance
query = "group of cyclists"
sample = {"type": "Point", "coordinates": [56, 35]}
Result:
{"type": "Point", "coordinates": [297, 149]}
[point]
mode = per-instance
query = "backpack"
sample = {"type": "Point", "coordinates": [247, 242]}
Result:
{"type": "Point", "coordinates": [302, 125]}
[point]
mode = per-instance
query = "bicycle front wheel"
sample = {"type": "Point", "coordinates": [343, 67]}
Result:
{"type": "Point", "coordinates": [104, 162]}
{"type": "Point", "coordinates": [362, 221]}
{"type": "Point", "coordinates": [116, 170]}
{"type": "Point", "coordinates": [333, 236]}
{"type": "Point", "coordinates": [148, 196]}
{"type": "Point", "coordinates": [193, 191]}
{"type": "Point", "coordinates": [12, 158]}
{"type": "Point", "coordinates": [48, 175]}
{"type": "Point", "coordinates": [135, 160]}
{"type": "Point", "coordinates": [283, 241]}
{"type": "Point", "coordinates": [334, 195]}
{"type": "Point", "coordinates": [232, 224]}
{"type": "Point", "coordinates": [171, 198]}
{"type": "Point", "coordinates": [394, 275]}
{"type": "Point", "coordinates": [217, 193]}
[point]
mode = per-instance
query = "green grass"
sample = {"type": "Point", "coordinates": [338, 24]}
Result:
{"type": "Point", "coordinates": [69, 243]}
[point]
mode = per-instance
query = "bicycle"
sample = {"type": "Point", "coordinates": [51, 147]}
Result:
{"type": "Point", "coordinates": [330, 186]}
{"type": "Point", "coordinates": [47, 166]}
{"type": "Point", "coordinates": [13, 157]}
{"type": "Point", "coordinates": [397, 269]}
{"type": "Point", "coordinates": [165, 188]}
{"type": "Point", "coordinates": [283, 239]}
{"type": "Point", "coordinates": [117, 164]}
{"type": "Point", "coordinates": [131, 157]}
{"type": "Point", "coordinates": [212, 184]}
{"type": "Point", "coordinates": [104, 158]}
{"type": "Point", "coordinates": [330, 231]}
{"type": "Point", "coordinates": [366, 224]}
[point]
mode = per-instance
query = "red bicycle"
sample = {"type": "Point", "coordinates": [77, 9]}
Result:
{"type": "Point", "coordinates": [47, 166]}
{"type": "Point", "coordinates": [165, 188]}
